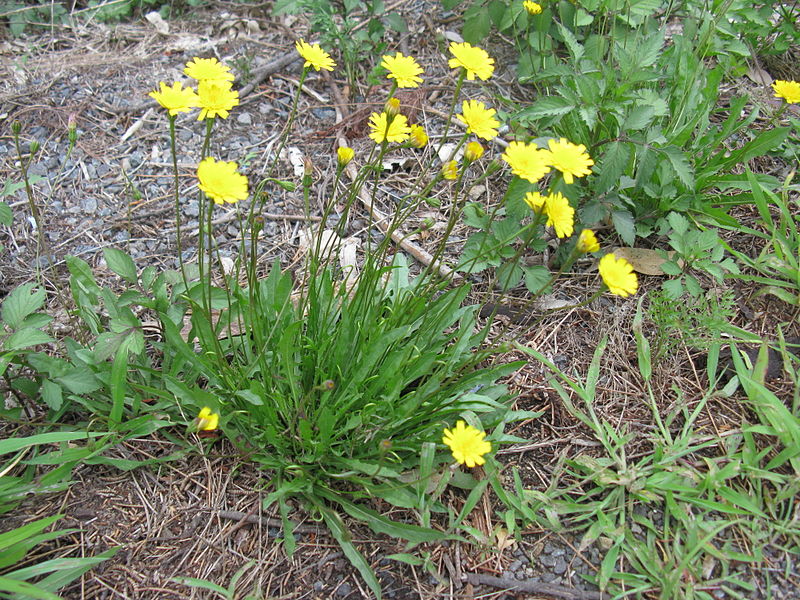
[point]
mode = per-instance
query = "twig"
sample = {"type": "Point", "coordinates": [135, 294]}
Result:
{"type": "Point", "coordinates": [534, 587]}
{"type": "Point", "coordinates": [235, 515]}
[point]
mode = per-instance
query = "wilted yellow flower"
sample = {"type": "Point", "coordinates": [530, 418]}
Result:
{"type": "Point", "coordinates": [559, 214]}
{"type": "Point", "coordinates": [450, 170]}
{"type": "Point", "coordinates": [571, 159]}
{"type": "Point", "coordinates": [479, 119]}
{"type": "Point", "coordinates": [788, 90]}
{"type": "Point", "coordinates": [535, 201]}
{"type": "Point", "coordinates": [618, 275]}
{"type": "Point", "coordinates": [216, 99]}
{"type": "Point", "coordinates": [403, 69]}
{"type": "Point", "coordinates": [384, 129]}
{"type": "Point", "coordinates": [175, 99]}
{"type": "Point", "coordinates": [315, 56]}
{"type": "Point", "coordinates": [467, 444]}
{"type": "Point", "coordinates": [474, 60]}
{"type": "Point", "coordinates": [532, 7]}
{"type": "Point", "coordinates": [527, 161]}
{"type": "Point", "coordinates": [587, 242]}
{"type": "Point", "coordinates": [419, 139]}
{"type": "Point", "coordinates": [473, 151]}
{"type": "Point", "coordinates": [206, 420]}
{"type": "Point", "coordinates": [220, 181]}
{"type": "Point", "coordinates": [208, 69]}
{"type": "Point", "coordinates": [344, 154]}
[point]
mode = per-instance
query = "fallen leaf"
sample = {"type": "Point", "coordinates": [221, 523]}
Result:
{"type": "Point", "coordinates": [643, 260]}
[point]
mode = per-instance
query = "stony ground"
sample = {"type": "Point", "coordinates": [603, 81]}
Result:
{"type": "Point", "coordinates": [196, 516]}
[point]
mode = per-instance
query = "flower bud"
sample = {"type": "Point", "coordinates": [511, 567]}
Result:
{"type": "Point", "coordinates": [34, 147]}
{"type": "Point", "coordinates": [473, 152]}
{"type": "Point", "coordinates": [72, 127]}
{"type": "Point", "coordinates": [344, 154]}
{"type": "Point", "coordinates": [392, 107]}
{"type": "Point", "coordinates": [419, 139]}
{"type": "Point", "coordinates": [16, 127]}
{"type": "Point", "coordinates": [450, 170]}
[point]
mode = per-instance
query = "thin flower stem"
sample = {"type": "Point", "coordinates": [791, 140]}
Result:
{"type": "Point", "coordinates": [176, 186]}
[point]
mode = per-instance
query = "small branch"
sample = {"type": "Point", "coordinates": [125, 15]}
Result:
{"type": "Point", "coordinates": [235, 515]}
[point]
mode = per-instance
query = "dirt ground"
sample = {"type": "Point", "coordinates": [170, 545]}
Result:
{"type": "Point", "coordinates": [197, 516]}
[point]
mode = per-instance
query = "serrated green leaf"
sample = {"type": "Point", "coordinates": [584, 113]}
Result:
{"type": "Point", "coordinates": [21, 302]}
{"type": "Point", "coordinates": [549, 106]}
{"type": "Point", "coordinates": [680, 164]}
{"type": "Point", "coordinates": [26, 338]}
{"type": "Point", "coordinates": [122, 264]}
{"type": "Point", "coordinates": [476, 24]}
{"type": "Point", "coordinates": [6, 216]}
{"type": "Point", "coordinates": [52, 394]}
{"type": "Point", "coordinates": [625, 225]}
{"type": "Point", "coordinates": [612, 165]}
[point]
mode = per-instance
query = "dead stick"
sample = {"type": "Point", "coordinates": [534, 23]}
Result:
{"type": "Point", "coordinates": [534, 587]}
{"type": "Point", "coordinates": [235, 515]}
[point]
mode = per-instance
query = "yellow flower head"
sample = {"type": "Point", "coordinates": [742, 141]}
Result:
{"type": "Point", "coordinates": [315, 56]}
{"type": "Point", "coordinates": [344, 154]}
{"type": "Point", "coordinates": [175, 99]}
{"type": "Point", "coordinates": [571, 159]}
{"type": "Point", "coordinates": [527, 161]}
{"type": "Point", "coordinates": [474, 60]}
{"type": "Point", "coordinates": [479, 119]}
{"type": "Point", "coordinates": [208, 69]}
{"type": "Point", "coordinates": [467, 444]}
{"type": "Point", "coordinates": [587, 242]}
{"type": "Point", "coordinates": [403, 69]}
{"type": "Point", "coordinates": [788, 90]}
{"type": "Point", "coordinates": [216, 99]}
{"type": "Point", "coordinates": [618, 275]}
{"type": "Point", "coordinates": [419, 139]}
{"type": "Point", "coordinates": [220, 181]}
{"type": "Point", "coordinates": [535, 201]}
{"type": "Point", "coordinates": [473, 151]}
{"type": "Point", "coordinates": [384, 128]}
{"type": "Point", "coordinates": [450, 170]}
{"type": "Point", "coordinates": [559, 214]}
{"type": "Point", "coordinates": [206, 420]}
{"type": "Point", "coordinates": [532, 7]}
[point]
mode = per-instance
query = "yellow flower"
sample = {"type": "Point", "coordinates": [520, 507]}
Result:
{"type": "Point", "coordinates": [220, 181]}
{"type": "Point", "coordinates": [479, 119]}
{"type": "Point", "coordinates": [587, 242]}
{"type": "Point", "coordinates": [206, 420]}
{"type": "Point", "coordinates": [473, 152]}
{"type": "Point", "coordinates": [315, 56]}
{"type": "Point", "coordinates": [216, 99]}
{"type": "Point", "coordinates": [208, 69]}
{"type": "Point", "coordinates": [618, 275]}
{"type": "Point", "coordinates": [403, 69]}
{"type": "Point", "coordinates": [559, 214]}
{"type": "Point", "coordinates": [383, 129]}
{"type": "Point", "coordinates": [535, 201]}
{"type": "Point", "coordinates": [175, 99]}
{"type": "Point", "coordinates": [467, 444]}
{"type": "Point", "coordinates": [344, 154]}
{"type": "Point", "coordinates": [419, 139]}
{"type": "Point", "coordinates": [788, 90]}
{"type": "Point", "coordinates": [474, 60]}
{"type": "Point", "coordinates": [450, 170]}
{"type": "Point", "coordinates": [532, 7]}
{"type": "Point", "coordinates": [571, 159]}
{"type": "Point", "coordinates": [527, 161]}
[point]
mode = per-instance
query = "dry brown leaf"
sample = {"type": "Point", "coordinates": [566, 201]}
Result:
{"type": "Point", "coordinates": [643, 260]}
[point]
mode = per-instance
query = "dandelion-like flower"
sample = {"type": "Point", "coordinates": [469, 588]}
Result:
{"type": "Point", "coordinates": [473, 151]}
{"type": "Point", "coordinates": [467, 444]}
{"type": "Point", "coordinates": [560, 215]}
{"type": "Point", "coordinates": [479, 119]}
{"type": "Point", "coordinates": [788, 90]}
{"type": "Point", "coordinates": [571, 159]}
{"type": "Point", "coordinates": [220, 181]}
{"type": "Point", "coordinates": [475, 61]}
{"type": "Point", "coordinates": [450, 170]}
{"type": "Point", "coordinates": [419, 139]}
{"type": "Point", "coordinates": [618, 275]}
{"type": "Point", "coordinates": [587, 242]}
{"type": "Point", "coordinates": [535, 201]}
{"type": "Point", "coordinates": [216, 99]}
{"type": "Point", "coordinates": [527, 161]}
{"type": "Point", "coordinates": [208, 69]}
{"type": "Point", "coordinates": [532, 7]}
{"type": "Point", "coordinates": [403, 69]}
{"type": "Point", "coordinates": [175, 99]}
{"type": "Point", "coordinates": [384, 129]}
{"type": "Point", "coordinates": [344, 154]}
{"type": "Point", "coordinates": [315, 56]}
{"type": "Point", "coordinates": [206, 420]}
